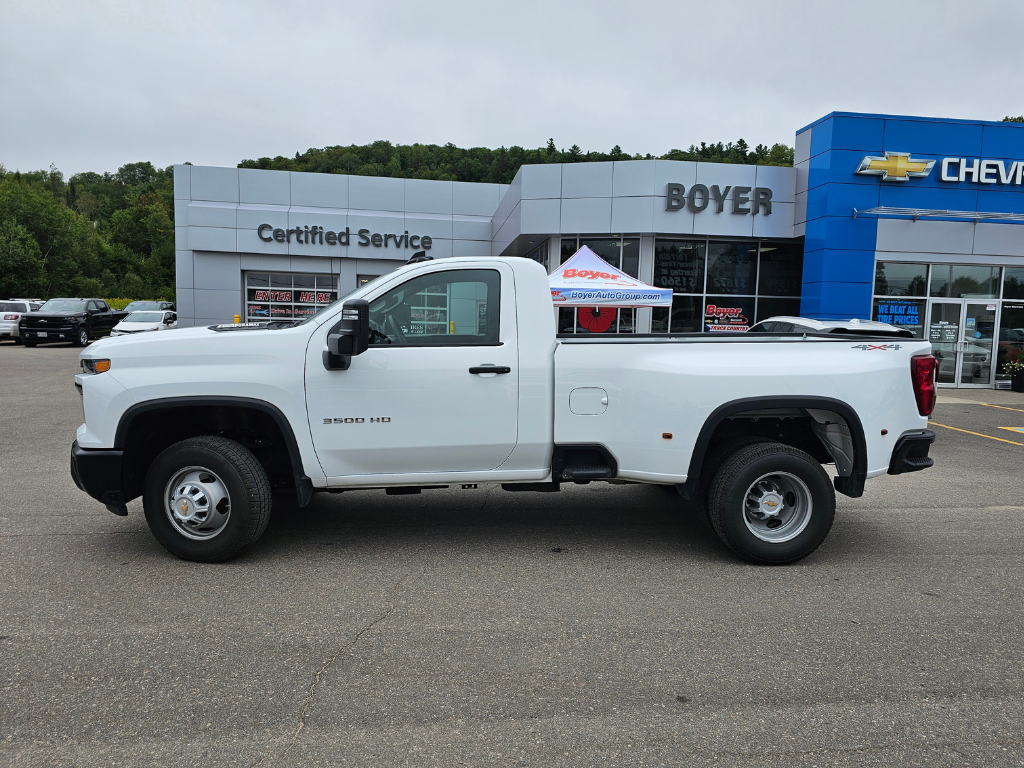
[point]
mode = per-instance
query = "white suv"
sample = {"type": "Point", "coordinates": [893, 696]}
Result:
{"type": "Point", "coordinates": [11, 312]}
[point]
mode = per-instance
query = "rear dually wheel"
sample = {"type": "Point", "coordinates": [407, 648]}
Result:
{"type": "Point", "coordinates": [771, 503]}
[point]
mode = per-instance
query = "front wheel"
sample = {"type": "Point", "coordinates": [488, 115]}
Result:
{"type": "Point", "coordinates": [771, 503]}
{"type": "Point", "coordinates": [207, 499]}
{"type": "Point", "coordinates": [29, 342]}
{"type": "Point", "coordinates": [81, 336]}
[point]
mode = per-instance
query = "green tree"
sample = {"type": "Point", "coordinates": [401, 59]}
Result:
{"type": "Point", "coordinates": [67, 241]}
{"type": "Point", "coordinates": [1017, 119]}
{"type": "Point", "coordinates": [22, 271]}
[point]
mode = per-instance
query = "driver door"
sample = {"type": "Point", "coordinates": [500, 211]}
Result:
{"type": "Point", "coordinates": [416, 401]}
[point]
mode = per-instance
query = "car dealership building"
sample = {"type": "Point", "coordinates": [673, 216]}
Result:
{"type": "Point", "coordinates": [913, 221]}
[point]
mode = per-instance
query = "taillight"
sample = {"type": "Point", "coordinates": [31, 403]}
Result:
{"type": "Point", "coordinates": [10, 317]}
{"type": "Point", "coordinates": [922, 374]}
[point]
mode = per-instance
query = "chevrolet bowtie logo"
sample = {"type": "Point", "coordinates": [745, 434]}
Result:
{"type": "Point", "coordinates": [895, 166]}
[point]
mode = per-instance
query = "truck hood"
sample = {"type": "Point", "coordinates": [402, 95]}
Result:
{"type": "Point", "coordinates": [196, 342]}
{"type": "Point", "coordinates": [51, 315]}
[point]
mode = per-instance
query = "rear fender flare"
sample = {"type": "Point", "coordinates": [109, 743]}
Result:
{"type": "Point", "coordinates": [851, 486]}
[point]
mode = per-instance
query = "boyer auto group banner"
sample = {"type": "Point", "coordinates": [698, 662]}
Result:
{"type": "Point", "coordinates": [587, 280]}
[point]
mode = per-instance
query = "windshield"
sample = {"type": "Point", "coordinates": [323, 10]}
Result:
{"type": "Point", "coordinates": [63, 305]}
{"type": "Point", "coordinates": [11, 306]}
{"type": "Point", "coordinates": [145, 317]}
{"type": "Point", "coordinates": [137, 305]}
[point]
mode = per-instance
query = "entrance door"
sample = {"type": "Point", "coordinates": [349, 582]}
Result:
{"type": "Point", "coordinates": [976, 348]}
{"type": "Point", "coordinates": [962, 334]}
{"type": "Point", "coordinates": [944, 334]}
{"type": "Point", "coordinates": [422, 399]}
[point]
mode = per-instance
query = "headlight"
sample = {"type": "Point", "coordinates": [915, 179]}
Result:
{"type": "Point", "coordinates": [95, 366]}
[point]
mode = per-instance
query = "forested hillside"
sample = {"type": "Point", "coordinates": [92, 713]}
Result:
{"type": "Point", "coordinates": [498, 166]}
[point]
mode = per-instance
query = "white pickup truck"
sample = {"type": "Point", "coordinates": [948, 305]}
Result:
{"type": "Point", "coordinates": [450, 372]}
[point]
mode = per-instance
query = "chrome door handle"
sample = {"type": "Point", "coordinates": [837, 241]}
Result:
{"type": "Point", "coordinates": [490, 369]}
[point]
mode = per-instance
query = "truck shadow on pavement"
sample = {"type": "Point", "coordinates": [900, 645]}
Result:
{"type": "Point", "coordinates": [636, 518]}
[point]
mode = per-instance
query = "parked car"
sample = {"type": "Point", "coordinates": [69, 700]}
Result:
{"type": "Point", "coordinates": [139, 322]}
{"type": "Point", "coordinates": [450, 372]}
{"type": "Point", "coordinates": [74, 320]}
{"type": "Point", "coordinates": [159, 306]}
{"type": "Point", "coordinates": [852, 327]}
{"type": "Point", "coordinates": [10, 314]}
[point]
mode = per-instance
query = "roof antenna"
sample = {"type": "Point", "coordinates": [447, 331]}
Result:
{"type": "Point", "coordinates": [418, 257]}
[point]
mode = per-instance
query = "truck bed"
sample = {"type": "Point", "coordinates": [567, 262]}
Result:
{"type": "Point", "coordinates": [647, 398]}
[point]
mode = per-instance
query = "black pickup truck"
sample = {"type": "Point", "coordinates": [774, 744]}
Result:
{"type": "Point", "coordinates": [74, 320]}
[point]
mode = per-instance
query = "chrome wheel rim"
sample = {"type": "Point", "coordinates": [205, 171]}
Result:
{"type": "Point", "coordinates": [197, 503]}
{"type": "Point", "coordinates": [777, 507]}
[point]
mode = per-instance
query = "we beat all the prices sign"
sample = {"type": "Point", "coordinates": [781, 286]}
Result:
{"type": "Point", "coordinates": [725, 318]}
{"type": "Point", "coordinates": [305, 297]}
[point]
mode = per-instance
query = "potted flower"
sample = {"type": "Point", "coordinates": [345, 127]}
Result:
{"type": "Point", "coordinates": [1016, 372]}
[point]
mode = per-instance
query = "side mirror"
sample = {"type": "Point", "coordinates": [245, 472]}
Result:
{"type": "Point", "coordinates": [349, 337]}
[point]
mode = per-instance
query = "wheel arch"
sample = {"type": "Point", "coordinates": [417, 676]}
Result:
{"type": "Point", "coordinates": [211, 410]}
{"type": "Point", "coordinates": [851, 485]}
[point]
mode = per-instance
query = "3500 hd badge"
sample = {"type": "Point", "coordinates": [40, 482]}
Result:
{"type": "Point", "coordinates": [359, 420]}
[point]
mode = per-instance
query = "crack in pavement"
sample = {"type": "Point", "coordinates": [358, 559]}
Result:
{"type": "Point", "coordinates": [307, 705]}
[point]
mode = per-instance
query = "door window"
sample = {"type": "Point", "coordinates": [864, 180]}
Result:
{"type": "Point", "coordinates": [978, 335]}
{"type": "Point", "coordinates": [459, 307]}
{"type": "Point", "coordinates": [944, 334]}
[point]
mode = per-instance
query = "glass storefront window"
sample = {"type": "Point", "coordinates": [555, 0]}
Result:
{"type": "Point", "coordinates": [939, 287]}
{"type": "Point", "coordinates": [568, 249]}
{"type": "Point", "coordinates": [679, 265]}
{"type": "Point", "coordinates": [276, 296]}
{"type": "Point", "coordinates": [770, 307]}
{"type": "Point", "coordinates": [728, 313]}
{"type": "Point", "coordinates": [685, 316]}
{"type": "Point", "coordinates": [566, 319]}
{"type": "Point", "coordinates": [963, 281]}
{"type": "Point", "coordinates": [893, 278]}
{"type": "Point", "coordinates": [1011, 336]}
{"type": "Point", "coordinates": [609, 250]}
{"type": "Point", "coordinates": [905, 313]}
{"type": "Point", "coordinates": [1013, 283]}
{"type": "Point", "coordinates": [732, 268]}
{"type": "Point", "coordinates": [975, 282]}
{"type": "Point", "coordinates": [631, 256]}
{"type": "Point", "coordinates": [781, 271]}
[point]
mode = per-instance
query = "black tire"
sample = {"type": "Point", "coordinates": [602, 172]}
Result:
{"type": "Point", "coordinates": [29, 342]}
{"type": "Point", "coordinates": [17, 340]}
{"type": "Point", "coordinates": [713, 462]}
{"type": "Point", "coordinates": [81, 336]}
{"type": "Point", "coordinates": [245, 480]}
{"type": "Point", "coordinates": [727, 499]}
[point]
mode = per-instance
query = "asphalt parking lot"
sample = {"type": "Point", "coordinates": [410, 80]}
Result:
{"type": "Point", "coordinates": [601, 626]}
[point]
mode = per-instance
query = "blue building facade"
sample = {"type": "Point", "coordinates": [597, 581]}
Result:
{"type": "Point", "coordinates": [917, 221]}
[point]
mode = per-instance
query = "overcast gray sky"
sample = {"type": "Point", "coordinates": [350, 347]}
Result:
{"type": "Point", "coordinates": [93, 85]}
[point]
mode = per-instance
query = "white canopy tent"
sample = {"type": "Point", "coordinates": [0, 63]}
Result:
{"type": "Point", "coordinates": [588, 281]}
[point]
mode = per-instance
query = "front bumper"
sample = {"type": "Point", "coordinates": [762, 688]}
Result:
{"type": "Point", "coordinates": [98, 473]}
{"type": "Point", "coordinates": [911, 453]}
{"type": "Point", "coordinates": [52, 334]}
